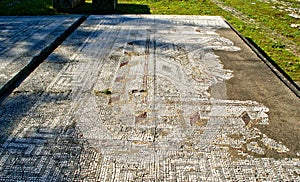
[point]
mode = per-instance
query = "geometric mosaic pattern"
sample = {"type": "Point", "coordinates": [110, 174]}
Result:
{"type": "Point", "coordinates": [22, 38]}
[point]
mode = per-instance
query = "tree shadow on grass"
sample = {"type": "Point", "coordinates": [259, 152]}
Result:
{"type": "Point", "coordinates": [133, 9]}
{"type": "Point", "coordinates": [87, 9]}
{"type": "Point", "coordinates": [45, 8]}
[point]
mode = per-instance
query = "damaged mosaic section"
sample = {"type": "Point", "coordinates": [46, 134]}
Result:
{"type": "Point", "coordinates": [133, 102]}
{"type": "Point", "coordinates": [159, 94]}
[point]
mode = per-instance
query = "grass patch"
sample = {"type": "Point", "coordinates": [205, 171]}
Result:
{"type": "Point", "coordinates": [268, 16]}
{"type": "Point", "coordinates": [272, 31]}
{"type": "Point", "coordinates": [105, 92]}
{"type": "Point", "coordinates": [26, 7]}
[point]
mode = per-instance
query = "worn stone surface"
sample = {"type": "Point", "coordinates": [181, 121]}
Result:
{"type": "Point", "coordinates": [148, 98]}
{"type": "Point", "coordinates": [22, 38]}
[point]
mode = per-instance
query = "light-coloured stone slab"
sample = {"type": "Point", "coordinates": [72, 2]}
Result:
{"type": "Point", "coordinates": [145, 98]}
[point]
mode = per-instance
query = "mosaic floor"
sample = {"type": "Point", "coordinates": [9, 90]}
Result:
{"type": "Point", "coordinates": [130, 98]}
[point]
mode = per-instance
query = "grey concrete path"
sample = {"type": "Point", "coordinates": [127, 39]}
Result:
{"type": "Point", "coordinates": [151, 98]}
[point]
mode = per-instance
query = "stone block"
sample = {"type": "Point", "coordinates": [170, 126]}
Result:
{"type": "Point", "coordinates": [104, 5]}
{"type": "Point", "coordinates": [67, 4]}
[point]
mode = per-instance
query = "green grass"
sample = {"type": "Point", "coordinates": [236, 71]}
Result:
{"type": "Point", "coordinates": [26, 7]}
{"type": "Point", "coordinates": [267, 20]}
{"type": "Point", "coordinates": [179, 7]}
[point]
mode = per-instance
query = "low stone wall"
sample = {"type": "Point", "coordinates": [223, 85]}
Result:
{"type": "Point", "coordinates": [67, 4]}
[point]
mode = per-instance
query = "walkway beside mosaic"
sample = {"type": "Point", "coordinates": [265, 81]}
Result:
{"type": "Point", "coordinates": [151, 98]}
{"type": "Point", "coordinates": [22, 38]}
